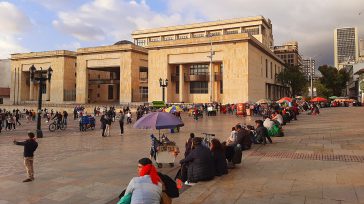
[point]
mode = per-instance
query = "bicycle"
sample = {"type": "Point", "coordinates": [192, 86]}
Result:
{"type": "Point", "coordinates": [57, 126]}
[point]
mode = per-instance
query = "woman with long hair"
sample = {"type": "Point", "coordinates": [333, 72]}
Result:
{"type": "Point", "coordinates": [147, 187]}
{"type": "Point", "coordinates": [219, 158]}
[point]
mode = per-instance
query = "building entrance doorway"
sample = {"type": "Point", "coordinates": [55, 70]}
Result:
{"type": "Point", "coordinates": [103, 85]}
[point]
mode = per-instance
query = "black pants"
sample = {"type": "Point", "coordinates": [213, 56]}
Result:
{"type": "Point", "coordinates": [17, 121]}
{"type": "Point", "coordinates": [269, 139]}
{"type": "Point", "coordinates": [121, 127]}
{"type": "Point", "coordinates": [103, 131]}
{"type": "Point", "coordinates": [229, 153]}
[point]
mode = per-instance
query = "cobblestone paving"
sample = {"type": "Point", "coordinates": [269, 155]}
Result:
{"type": "Point", "coordinates": [83, 167]}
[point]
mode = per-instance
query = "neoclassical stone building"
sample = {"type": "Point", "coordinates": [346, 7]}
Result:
{"type": "Point", "coordinates": [58, 90]}
{"type": "Point", "coordinates": [243, 67]}
{"type": "Point", "coordinates": [113, 74]}
{"type": "Point", "coordinates": [225, 61]}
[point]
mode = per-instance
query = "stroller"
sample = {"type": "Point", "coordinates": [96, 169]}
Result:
{"type": "Point", "coordinates": [87, 122]}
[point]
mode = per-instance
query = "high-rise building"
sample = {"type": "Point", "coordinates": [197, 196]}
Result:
{"type": "Point", "coordinates": [361, 50]}
{"type": "Point", "coordinates": [346, 46]}
{"type": "Point", "coordinates": [288, 52]}
{"type": "Point", "coordinates": [308, 68]}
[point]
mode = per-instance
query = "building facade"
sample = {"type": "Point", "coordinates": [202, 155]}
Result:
{"type": "Point", "coordinates": [289, 53]}
{"type": "Point", "coordinates": [57, 90]}
{"type": "Point", "coordinates": [226, 61]}
{"type": "Point", "coordinates": [5, 81]}
{"type": "Point", "coordinates": [242, 67]}
{"type": "Point", "coordinates": [258, 27]}
{"type": "Point", "coordinates": [112, 74]}
{"type": "Point", "coordinates": [346, 46]}
{"type": "Point", "coordinates": [309, 68]}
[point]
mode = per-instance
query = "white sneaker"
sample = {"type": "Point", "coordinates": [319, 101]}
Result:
{"type": "Point", "coordinates": [189, 183]}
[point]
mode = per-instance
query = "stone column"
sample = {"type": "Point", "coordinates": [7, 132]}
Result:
{"type": "Point", "coordinates": [181, 84]}
{"type": "Point", "coordinates": [48, 92]}
{"type": "Point", "coordinates": [260, 29]}
{"type": "Point", "coordinates": [211, 82]}
{"type": "Point", "coordinates": [31, 94]}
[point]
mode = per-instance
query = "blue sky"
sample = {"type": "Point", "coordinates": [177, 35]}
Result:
{"type": "Point", "coordinates": [40, 25]}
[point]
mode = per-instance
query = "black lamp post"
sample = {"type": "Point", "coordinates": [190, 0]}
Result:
{"type": "Point", "coordinates": [163, 84]}
{"type": "Point", "coordinates": [41, 78]}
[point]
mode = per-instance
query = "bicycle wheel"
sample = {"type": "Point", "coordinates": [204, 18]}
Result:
{"type": "Point", "coordinates": [62, 126]}
{"type": "Point", "coordinates": [52, 127]}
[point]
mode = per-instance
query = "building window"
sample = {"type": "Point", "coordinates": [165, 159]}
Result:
{"type": "Point", "coordinates": [251, 31]}
{"type": "Point", "coordinates": [215, 33]}
{"type": "Point", "coordinates": [198, 35]}
{"type": "Point", "coordinates": [143, 93]}
{"type": "Point", "coordinates": [168, 38]}
{"type": "Point", "coordinates": [266, 68]}
{"type": "Point", "coordinates": [232, 31]}
{"type": "Point", "coordinates": [275, 70]}
{"type": "Point", "coordinates": [183, 36]}
{"type": "Point", "coordinates": [199, 69]}
{"type": "Point", "coordinates": [271, 70]}
{"type": "Point", "coordinates": [111, 92]}
{"type": "Point", "coordinates": [143, 74]}
{"type": "Point", "coordinates": [199, 87]}
{"type": "Point", "coordinates": [221, 82]}
{"type": "Point", "coordinates": [99, 76]}
{"type": "Point", "coordinates": [98, 95]}
{"type": "Point", "coordinates": [177, 87]}
{"type": "Point", "coordinates": [140, 42]}
{"type": "Point", "coordinates": [98, 86]}
{"type": "Point", "coordinates": [154, 39]}
{"type": "Point", "coordinates": [177, 70]}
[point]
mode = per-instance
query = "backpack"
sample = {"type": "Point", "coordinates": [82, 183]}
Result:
{"type": "Point", "coordinates": [237, 155]}
{"type": "Point", "coordinates": [170, 185]}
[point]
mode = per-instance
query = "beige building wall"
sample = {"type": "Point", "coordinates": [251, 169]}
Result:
{"type": "Point", "coordinates": [241, 55]}
{"type": "Point", "coordinates": [63, 64]}
{"type": "Point", "coordinates": [257, 26]}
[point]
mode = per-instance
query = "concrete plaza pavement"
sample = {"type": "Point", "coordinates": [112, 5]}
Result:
{"type": "Point", "coordinates": [318, 161]}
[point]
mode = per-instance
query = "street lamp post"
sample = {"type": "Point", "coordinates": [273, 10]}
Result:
{"type": "Point", "coordinates": [40, 78]}
{"type": "Point", "coordinates": [212, 53]}
{"type": "Point", "coordinates": [163, 84]}
{"type": "Point", "coordinates": [311, 76]}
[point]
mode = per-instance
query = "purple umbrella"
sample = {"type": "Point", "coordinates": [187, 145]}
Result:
{"type": "Point", "coordinates": [158, 120]}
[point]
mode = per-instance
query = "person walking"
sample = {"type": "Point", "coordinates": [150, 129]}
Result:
{"type": "Point", "coordinates": [65, 116]}
{"type": "Point", "coordinates": [103, 124]}
{"type": "Point", "coordinates": [30, 145]}
{"type": "Point", "coordinates": [121, 122]}
{"type": "Point", "coordinates": [108, 124]}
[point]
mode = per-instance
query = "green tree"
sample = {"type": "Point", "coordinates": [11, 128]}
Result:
{"type": "Point", "coordinates": [333, 80]}
{"type": "Point", "coordinates": [292, 76]}
{"type": "Point", "coordinates": [321, 90]}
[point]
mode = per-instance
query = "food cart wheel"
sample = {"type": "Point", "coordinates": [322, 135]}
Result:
{"type": "Point", "coordinates": [171, 164]}
{"type": "Point", "coordinates": [159, 165]}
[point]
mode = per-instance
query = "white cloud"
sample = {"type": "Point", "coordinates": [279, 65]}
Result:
{"type": "Point", "coordinates": [69, 46]}
{"type": "Point", "coordinates": [13, 23]}
{"type": "Point", "coordinates": [114, 20]}
{"type": "Point", "coordinates": [12, 20]}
